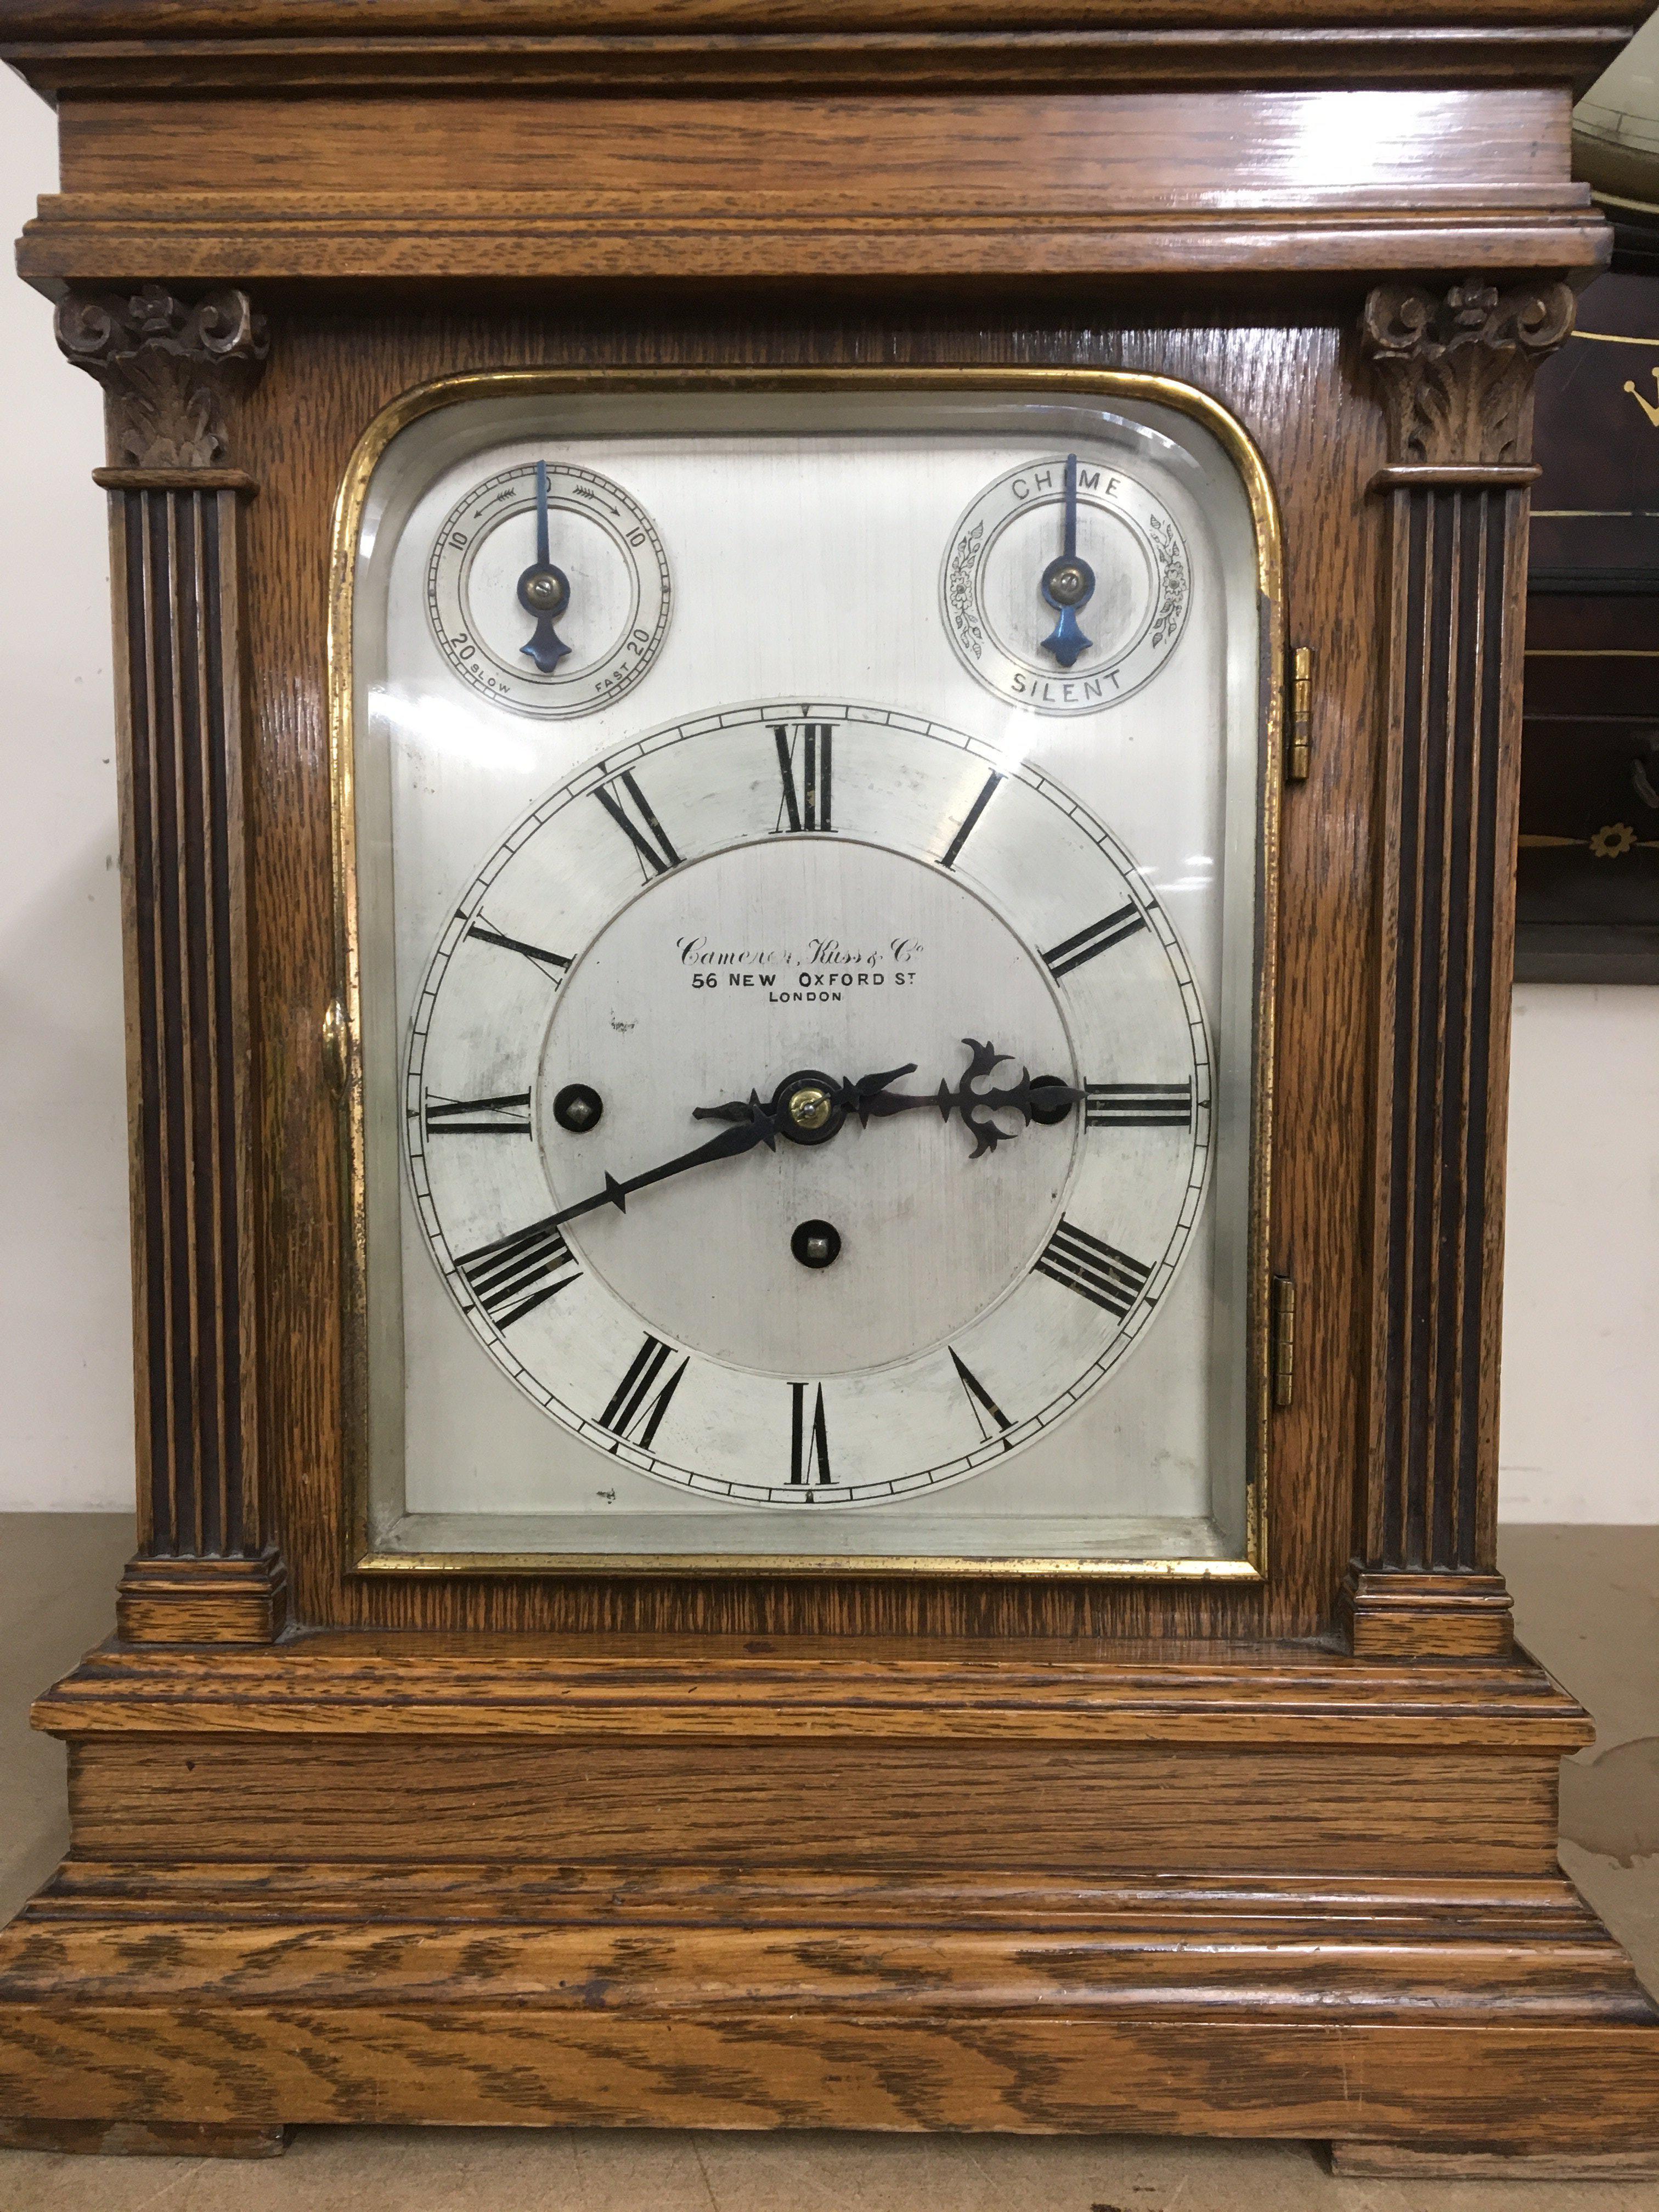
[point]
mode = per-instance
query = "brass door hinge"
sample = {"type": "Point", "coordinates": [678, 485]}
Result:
{"type": "Point", "coordinates": [1299, 743]}
{"type": "Point", "coordinates": [1282, 1328]}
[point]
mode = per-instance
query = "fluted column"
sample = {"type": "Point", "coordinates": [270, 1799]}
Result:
{"type": "Point", "coordinates": [206, 1569]}
{"type": "Point", "coordinates": [1455, 369]}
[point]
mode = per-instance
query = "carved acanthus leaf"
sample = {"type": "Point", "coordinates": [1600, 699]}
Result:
{"type": "Point", "coordinates": [1456, 367]}
{"type": "Point", "coordinates": [168, 366]}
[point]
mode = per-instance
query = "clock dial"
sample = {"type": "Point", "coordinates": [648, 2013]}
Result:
{"type": "Point", "coordinates": [547, 589]}
{"type": "Point", "coordinates": [878, 1191]}
{"type": "Point", "coordinates": [809, 1048]}
{"type": "Point", "coordinates": [1066, 585]}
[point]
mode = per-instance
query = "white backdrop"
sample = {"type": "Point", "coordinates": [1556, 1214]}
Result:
{"type": "Point", "coordinates": [1582, 1327]}
{"type": "Point", "coordinates": [65, 1305]}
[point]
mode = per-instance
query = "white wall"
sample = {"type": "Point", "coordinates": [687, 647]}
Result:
{"type": "Point", "coordinates": [1582, 1288]}
{"type": "Point", "coordinates": [1581, 1277]}
{"type": "Point", "coordinates": [65, 1305]}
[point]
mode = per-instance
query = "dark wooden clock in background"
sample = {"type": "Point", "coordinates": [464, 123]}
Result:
{"type": "Point", "coordinates": [1588, 882]}
{"type": "Point", "coordinates": [372, 1823]}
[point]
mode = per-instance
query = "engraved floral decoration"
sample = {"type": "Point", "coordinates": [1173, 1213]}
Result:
{"type": "Point", "coordinates": [1171, 555]}
{"type": "Point", "coordinates": [1612, 840]}
{"type": "Point", "coordinates": [167, 364]}
{"type": "Point", "coordinates": [959, 589]}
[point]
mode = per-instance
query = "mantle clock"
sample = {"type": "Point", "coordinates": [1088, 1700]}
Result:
{"type": "Point", "coordinates": [819, 718]}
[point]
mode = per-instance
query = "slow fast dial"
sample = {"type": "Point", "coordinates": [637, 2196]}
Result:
{"type": "Point", "coordinates": [547, 589]}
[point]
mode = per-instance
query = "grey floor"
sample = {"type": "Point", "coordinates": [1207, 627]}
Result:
{"type": "Point", "coordinates": [1587, 1600]}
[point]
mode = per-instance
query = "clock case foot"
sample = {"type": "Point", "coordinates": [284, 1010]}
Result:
{"type": "Point", "coordinates": [1387, 2161]}
{"type": "Point", "coordinates": [1281, 1892]}
{"type": "Point", "coordinates": [144, 2138]}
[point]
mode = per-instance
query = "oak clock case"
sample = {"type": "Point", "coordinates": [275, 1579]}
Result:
{"type": "Point", "coordinates": [804, 860]}
{"type": "Point", "coordinates": [461, 1758]}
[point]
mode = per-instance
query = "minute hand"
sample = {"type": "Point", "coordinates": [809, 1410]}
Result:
{"type": "Point", "coordinates": [760, 1129]}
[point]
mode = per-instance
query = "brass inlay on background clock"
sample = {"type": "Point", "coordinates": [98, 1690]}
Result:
{"type": "Point", "coordinates": [890, 916]}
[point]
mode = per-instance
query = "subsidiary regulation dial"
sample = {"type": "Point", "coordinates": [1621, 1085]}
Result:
{"type": "Point", "coordinates": [547, 589]}
{"type": "Point", "coordinates": [1066, 586]}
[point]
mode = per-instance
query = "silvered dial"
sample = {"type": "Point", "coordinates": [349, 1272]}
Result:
{"type": "Point", "coordinates": [808, 1105]}
{"type": "Point", "coordinates": [547, 589]}
{"type": "Point", "coordinates": [1066, 585]}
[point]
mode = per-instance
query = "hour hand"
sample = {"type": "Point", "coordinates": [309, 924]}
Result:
{"type": "Point", "coordinates": [978, 1103]}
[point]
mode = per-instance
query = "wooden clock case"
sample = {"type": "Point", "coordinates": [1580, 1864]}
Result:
{"type": "Point", "coordinates": [1272, 1856]}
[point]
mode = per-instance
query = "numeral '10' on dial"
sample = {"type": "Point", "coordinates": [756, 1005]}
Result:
{"type": "Point", "coordinates": [551, 964]}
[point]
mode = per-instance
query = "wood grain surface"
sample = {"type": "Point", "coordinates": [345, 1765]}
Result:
{"type": "Point", "coordinates": [1404, 2162]}
{"type": "Point", "coordinates": [521, 1993]}
{"type": "Point", "coordinates": [934, 186]}
{"type": "Point", "coordinates": [849, 1689]}
{"type": "Point", "coordinates": [696, 1851]}
{"type": "Point", "coordinates": [1139, 1809]}
{"type": "Point", "coordinates": [1456, 370]}
{"type": "Point", "coordinates": [334, 365]}
{"type": "Point", "coordinates": [280, 19]}
{"type": "Point", "coordinates": [1021, 158]}
{"type": "Point", "coordinates": [205, 1565]}
{"type": "Point", "coordinates": [114, 46]}
{"type": "Point", "coordinates": [143, 2138]}
{"type": "Point", "coordinates": [1559, 2085]}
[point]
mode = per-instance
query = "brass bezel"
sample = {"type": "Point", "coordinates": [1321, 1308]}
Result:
{"type": "Point", "coordinates": [1122, 384]}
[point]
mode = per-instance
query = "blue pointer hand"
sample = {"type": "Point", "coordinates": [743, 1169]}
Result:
{"type": "Point", "coordinates": [1068, 584]}
{"type": "Point", "coordinates": [543, 590]}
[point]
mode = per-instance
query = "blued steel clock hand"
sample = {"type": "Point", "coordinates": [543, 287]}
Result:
{"type": "Point", "coordinates": [1067, 583]}
{"type": "Point", "coordinates": [543, 590]}
{"type": "Point", "coordinates": [758, 1128]}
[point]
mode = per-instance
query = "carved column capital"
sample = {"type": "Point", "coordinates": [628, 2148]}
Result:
{"type": "Point", "coordinates": [168, 366]}
{"type": "Point", "coordinates": [1456, 368]}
